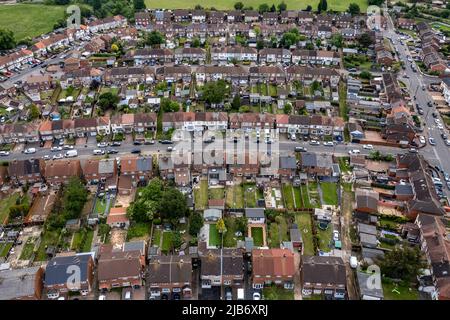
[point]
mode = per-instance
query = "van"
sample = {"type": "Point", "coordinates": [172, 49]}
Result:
{"type": "Point", "coordinates": [98, 152]}
{"type": "Point", "coordinates": [71, 154]}
{"type": "Point", "coordinates": [353, 262]}
{"type": "Point", "coordinates": [240, 294]}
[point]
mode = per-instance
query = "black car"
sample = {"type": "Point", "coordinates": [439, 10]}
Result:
{"type": "Point", "coordinates": [112, 151]}
{"type": "Point", "coordinates": [137, 143]}
{"type": "Point", "coordinates": [444, 136]}
{"type": "Point", "coordinates": [136, 151]}
{"type": "Point", "coordinates": [420, 111]}
{"type": "Point", "coordinates": [434, 114]}
{"type": "Point", "coordinates": [116, 143]}
{"type": "Point", "coordinates": [165, 142]}
{"type": "Point", "coordinates": [300, 149]}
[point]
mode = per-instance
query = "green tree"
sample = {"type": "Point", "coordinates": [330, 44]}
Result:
{"type": "Point", "coordinates": [168, 105]}
{"type": "Point", "coordinates": [7, 40]}
{"type": "Point", "coordinates": [74, 198]}
{"type": "Point", "coordinates": [263, 7]}
{"type": "Point", "coordinates": [153, 38]}
{"type": "Point", "coordinates": [273, 8]}
{"type": "Point", "coordinates": [236, 103]}
{"type": "Point", "coordinates": [108, 100]}
{"type": "Point", "coordinates": [139, 5]}
{"type": "Point", "coordinates": [34, 112]}
{"type": "Point", "coordinates": [260, 44]}
{"type": "Point", "coordinates": [221, 226]}
{"type": "Point", "coordinates": [309, 8]}
{"type": "Point", "coordinates": [195, 43]}
{"type": "Point", "coordinates": [365, 40]}
{"type": "Point", "coordinates": [290, 38]}
{"type": "Point", "coordinates": [282, 6]}
{"type": "Point", "coordinates": [353, 9]}
{"type": "Point", "coordinates": [172, 205]}
{"type": "Point", "coordinates": [365, 75]}
{"type": "Point", "coordinates": [402, 263]}
{"type": "Point", "coordinates": [195, 224]}
{"type": "Point", "coordinates": [322, 6]}
{"type": "Point", "coordinates": [287, 109]}
{"type": "Point", "coordinates": [238, 5]}
{"type": "Point", "coordinates": [337, 40]}
{"type": "Point", "coordinates": [214, 92]}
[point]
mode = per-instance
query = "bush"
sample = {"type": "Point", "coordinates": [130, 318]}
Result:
{"type": "Point", "coordinates": [157, 221]}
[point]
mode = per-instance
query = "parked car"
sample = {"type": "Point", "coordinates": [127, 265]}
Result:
{"type": "Point", "coordinates": [354, 151]}
{"type": "Point", "coordinates": [102, 144]}
{"type": "Point", "coordinates": [335, 235]}
{"type": "Point", "coordinates": [314, 143]}
{"type": "Point", "coordinates": [136, 151]}
{"type": "Point", "coordinates": [256, 296]}
{"type": "Point", "coordinates": [58, 156]}
{"type": "Point", "coordinates": [98, 152]}
{"type": "Point", "coordinates": [432, 141]}
{"type": "Point", "coordinates": [412, 150]}
{"type": "Point", "coordinates": [353, 262]}
{"type": "Point", "coordinates": [29, 150]}
{"type": "Point", "coordinates": [328, 144]}
{"type": "Point", "coordinates": [368, 146]}
{"type": "Point", "coordinates": [112, 151]}
{"type": "Point", "coordinates": [422, 140]}
{"type": "Point", "coordinates": [4, 153]}
{"type": "Point", "coordinates": [56, 149]}
{"type": "Point", "coordinates": [116, 143]}
{"type": "Point", "coordinates": [300, 149]}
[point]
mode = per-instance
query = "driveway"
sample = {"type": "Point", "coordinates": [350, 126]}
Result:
{"type": "Point", "coordinates": [297, 283]}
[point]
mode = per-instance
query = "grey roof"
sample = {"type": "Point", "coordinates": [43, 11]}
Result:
{"type": "Point", "coordinates": [316, 160]}
{"type": "Point", "coordinates": [295, 235]}
{"type": "Point", "coordinates": [366, 287]}
{"type": "Point", "coordinates": [144, 163]}
{"type": "Point", "coordinates": [134, 246]}
{"type": "Point", "coordinates": [367, 228]}
{"type": "Point", "coordinates": [170, 269]}
{"type": "Point", "coordinates": [323, 269]}
{"type": "Point", "coordinates": [288, 163]}
{"type": "Point", "coordinates": [368, 239]}
{"type": "Point", "coordinates": [254, 212]}
{"type": "Point", "coordinates": [369, 253]}
{"type": "Point", "coordinates": [212, 213]}
{"type": "Point", "coordinates": [17, 283]}
{"type": "Point", "coordinates": [106, 166]}
{"type": "Point", "coordinates": [404, 189]}
{"type": "Point", "coordinates": [249, 244]}
{"type": "Point", "coordinates": [56, 270]}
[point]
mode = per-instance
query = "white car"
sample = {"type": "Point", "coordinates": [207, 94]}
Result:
{"type": "Point", "coordinates": [256, 296]}
{"type": "Point", "coordinates": [440, 126]}
{"type": "Point", "coordinates": [437, 120]}
{"type": "Point", "coordinates": [4, 153]}
{"type": "Point", "coordinates": [431, 141]}
{"type": "Point", "coordinates": [102, 145]}
{"type": "Point", "coordinates": [447, 142]}
{"type": "Point", "coordinates": [46, 157]}
{"type": "Point", "coordinates": [68, 147]}
{"type": "Point", "coordinates": [328, 144]}
{"type": "Point", "coordinates": [58, 156]}
{"type": "Point", "coordinates": [314, 143]}
{"type": "Point", "coordinates": [102, 297]}
{"type": "Point", "coordinates": [422, 140]}
{"type": "Point", "coordinates": [354, 151]}
{"type": "Point", "coordinates": [336, 235]}
{"type": "Point", "coordinates": [353, 262]}
{"type": "Point", "coordinates": [55, 149]}
{"type": "Point", "coordinates": [29, 150]}
{"type": "Point", "coordinates": [368, 146]}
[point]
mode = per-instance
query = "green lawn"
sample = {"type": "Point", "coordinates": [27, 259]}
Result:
{"type": "Point", "coordinates": [250, 195]}
{"type": "Point", "coordinates": [167, 241]}
{"type": "Point", "coordinates": [77, 240]}
{"type": "Point", "coordinates": [5, 204]}
{"type": "Point", "coordinates": [229, 238]}
{"type": "Point", "coordinates": [138, 231]}
{"type": "Point", "coordinates": [314, 197]}
{"type": "Point", "coordinates": [329, 193]}
{"type": "Point", "coordinates": [257, 235]}
{"type": "Point", "coordinates": [100, 206]}
{"type": "Point", "coordinates": [277, 293]}
{"type": "Point", "coordinates": [228, 4]}
{"type": "Point", "coordinates": [440, 26]}
{"type": "Point", "coordinates": [325, 237]}
{"type": "Point", "coordinates": [156, 237]}
{"type": "Point", "coordinates": [50, 238]}
{"type": "Point", "coordinates": [214, 236]}
{"type": "Point", "coordinates": [305, 198]}
{"type": "Point", "coordinates": [29, 20]}
{"type": "Point", "coordinates": [235, 197]}
{"type": "Point", "coordinates": [288, 196]}
{"type": "Point", "coordinates": [201, 195]}
{"type": "Point", "coordinates": [27, 250]}
{"type": "Point", "coordinates": [4, 248]}
{"type": "Point", "coordinates": [298, 197]}
{"type": "Point", "coordinates": [216, 193]}
{"type": "Point", "coordinates": [304, 224]}
{"type": "Point", "coordinates": [88, 241]}
{"type": "Point", "coordinates": [278, 232]}
{"type": "Point", "coordinates": [399, 293]}
{"type": "Point", "coordinates": [344, 164]}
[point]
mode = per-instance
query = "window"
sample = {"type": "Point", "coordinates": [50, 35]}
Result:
{"type": "Point", "coordinates": [227, 282]}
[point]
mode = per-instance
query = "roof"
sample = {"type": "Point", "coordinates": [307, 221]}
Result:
{"type": "Point", "coordinates": [232, 261]}
{"type": "Point", "coordinates": [254, 212]}
{"type": "Point", "coordinates": [56, 270]}
{"type": "Point", "coordinates": [367, 228]}
{"type": "Point", "coordinates": [369, 290]}
{"type": "Point", "coordinates": [288, 162]}
{"type": "Point", "coordinates": [316, 160]}
{"type": "Point", "coordinates": [323, 269]}
{"type": "Point", "coordinates": [273, 262]}
{"type": "Point", "coordinates": [114, 265]}
{"type": "Point", "coordinates": [169, 269]}
{"type": "Point", "coordinates": [212, 213]}
{"type": "Point", "coordinates": [18, 283]}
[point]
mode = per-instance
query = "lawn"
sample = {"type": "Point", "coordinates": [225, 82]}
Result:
{"type": "Point", "coordinates": [228, 4]}
{"type": "Point", "coordinates": [88, 241]}
{"type": "Point", "coordinates": [305, 197]}
{"type": "Point", "coordinates": [201, 195]}
{"type": "Point", "coordinates": [344, 164]}
{"type": "Point", "coordinates": [138, 231]}
{"type": "Point", "coordinates": [400, 292]}
{"type": "Point", "coordinates": [5, 204]}
{"type": "Point", "coordinates": [314, 197]}
{"type": "Point", "coordinates": [229, 238]}
{"type": "Point", "coordinates": [298, 197]}
{"type": "Point", "coordinates": [278, 232]}
{"type": "Point", "coordinates": [167, 238]}
{"type": "Point", "coordinates": [304, 224]}
{"type": "Point", "coordinates": [250, 195]}
{"type": "Point", "coordinates": [214, 236]}
{"type": "Point", "coordinates": [277, 293]}
{"type": "Point", "coordinates": [216, 193]}
{"type": "Point", "coordinates": [4, 248]}
{"type": "Point", "coordinates": [288, 196]}
{"type": "Point", "coordinates": [100, 206]}
{"type": "Point", "coordinates": [29, 20]}
{"type": "Point", "coordinates": [27, 250]}
{"type": "Point", "coordinates": [329, 193]}
{"type": "Point", "coordinates": [257, 235]}
{"type": "Point", "coordinates": [325, 237]}
{"type": "Point", "coordinates": [235, 197]}
{"type": "Point", "coordinates": [156, 237]}
{"type": "Point", "coordinates": [50, 238]}
{"type": "Point", "coordinates": [440, 26]}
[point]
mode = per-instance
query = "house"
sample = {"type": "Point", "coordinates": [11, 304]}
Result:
{"type": "Point", "coordinates": [316, 164]}
{"type": "Point", "coordinates": [119, 269]}
{"type": "Point", "coordinates": [26, 171]}
{"type": "Point", "coordinates": [273, 266]}
{"type": "Point", "coordinates": [59, 172]}
{"type": "Point", "coordinates": [146, 55]}
{"type": "Point", "coordinates": [58, 280]}
{"type": "Point", "coordinates": [107, 23]}
{"type": "Point", "coordinates": [367, 201]}
{"type": "Point", "coordinates": [15, 59]}
{"type": "Point", "coordinates": [221, 267]}
{"type": "Point", "coordinates": [169, 277]}
{"type": "Point", "coordinates": [117, 218]}
{"type": "Point", "coordinates": [104, 170]}
{"type": "Point", "coordinates": [367, 286]}
{"type": "Point", "coordinates": [237, 52]}
{"type": "Point", "coordinates": [21, 284]}
{"type": "Point", "coordinates": [325, 276]}
{"type": "Point", "coordinates": [212, 215]}
{"type": "Point", "coordinates": [142, 19]}
{"type": "Point", "coordinates": [190, 54]}
{"type": "Point", "coordinates": [274, 55]}
{"type": "Point", "coordinates": [270, 18]}
{"type": "Point", "coordinates": [255, 215]}
{"type": "Point", "coordinates": [288, 166]}
{"type": "Point", "coordinates": [138, 168]}
{"type": "Point", "coordinates": [404, 23]}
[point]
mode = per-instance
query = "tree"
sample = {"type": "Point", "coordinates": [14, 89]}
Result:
{"type": "Point", "coordinates": [263, 7]}
{"type": "Point", "coordinates": [236, 103]}
{"type": "Point", "coordinates": [7, 40]}
{"type": "Point", "coordinates": [241, 224]}
{"type": "Point", "coordinates": [34, 112]}
{"type": "Point", "coordinates": [375, 2]}
{"type": "Point", "coordinates": [214, 92]}
{"type": "Point", "coordinates": [287, 109]}
{"type": "Point", "coordinates": [402, 263]}
{"type": "Point", "coordinates": [273, 8]}
{"type": "Point", "coordinates": [153, 38]}
{"type": "Point", "coordinates": [365, 40]}
{"type": "Point", "coordinates": [108, 100]}
{"type": "Point", "coordinates": [365, 75]}
{"type": "Point", "coordinates": [239, 5]}
{"type": "Point", "coordinates": [195, 43]}
{"type": "Point", "coordinates": [142, 211]}
{"type": "Point", "coordinates": [290, 38]}
{"type": "Point", "coordinates": [282, 6]}
{"type": "Point", "coordinates": [153, 190]}
{"type": "Point", "coordinates": [337, 40]}
{"type": "Point", "coordinates": [139, 5]}
{"type": "Point", "coordinates": [198, 7]}
{"type": "Point", "coordinates": [74, 198]}
{"type": "Point", "coordinates": [354, 9]}
{"type": "Point", "coordinates": [195, 224]}
{"type": "Point", "coordinates": [172, 205]}
{"type": "Point", "coordinates": [309, 8]}
{"type": "Point", "coordinates": [168, 105]}
{"type": "Point", "coordinates": [322, 6]}
{"type": "Point", "coordinates": [260, 44]}
{"type": "Point", "coordinates": [114, 47]}
{"type": "Point", "coordinates": [221, 226]}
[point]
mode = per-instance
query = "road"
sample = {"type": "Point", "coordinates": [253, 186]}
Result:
{"type": "Point", "coordinates": [436, 155]}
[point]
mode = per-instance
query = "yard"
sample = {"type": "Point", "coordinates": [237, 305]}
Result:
{"type": "Point", "coordinates": [27, 250]}
{"type": "Point", "coordinates": [216, 193]}
{"type": "Point", "coordinates": [214, 235]}
{"type": "Point", "coordinates": [5, 204]}
{"type": "Point", "coordinates": [5, 248]}
{"type": "Point", "coordinates": [26, 20]}
{"type": "Point", "coordinates": [230, 238]}
{"type": "Point", "coordinates": [250, 193]}
{"type": "Point", "coordinates": [138, 231]}
{"type": "Point", "coordinates": [82, 240]}
{"type": "Point", "coordinates": [201, 195]}
{"type": "Point", "coordinates": [167, 238]}
{"type": "Point", "coordinates": [278, 232]}
{"type": "Point", "coordinates": [100, 206]}
{"type": "Point", "coordinates": [305, 197]}
{"type": "Point", "coordinates": [228, 4]}
{"type": "Point", "coordinates": [329, 193]}
{"type": "Point", "coordinates": [277, 293]}
{"type": "Point", "coordinates": [304, 224]}
{"type": "Point", "coordinates": [235, 197]}
{"type": "Point", "coordinates": [288, 196]}
{"type": "Point", "coordinates": [324, 238]}
{"type": "Point", "coordinates": [393, 291]}
{"type": "Point", "coordinates": [257, 235]}
{"type": "Point", "coordinates": [50, 238]}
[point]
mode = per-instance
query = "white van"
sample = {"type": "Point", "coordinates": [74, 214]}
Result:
{"type": "Point", "coordinates": [71, 154]}
{"type": "Point", "coordinates": [240, 294]}
{"type": "Point", "coordinates": [98, 152]}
